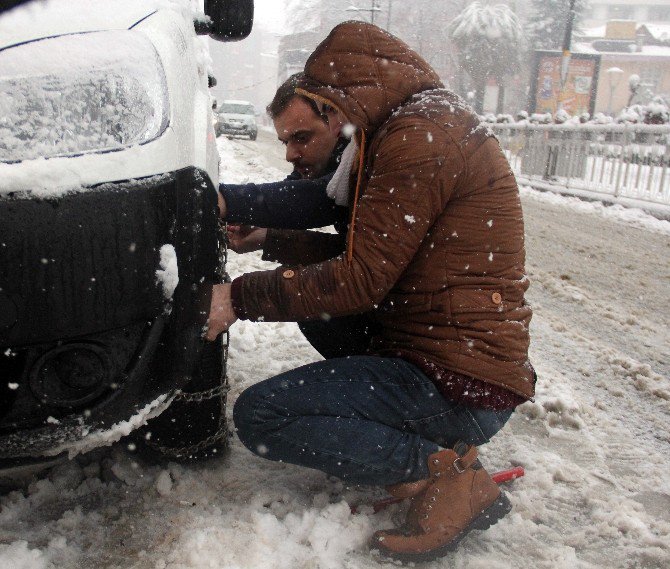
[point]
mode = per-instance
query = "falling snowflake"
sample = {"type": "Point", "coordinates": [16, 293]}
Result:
{"type": "Point", "coordinates": [348, 130]}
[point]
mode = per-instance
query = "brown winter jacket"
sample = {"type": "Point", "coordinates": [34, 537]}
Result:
{"type": "Point", "coordinates": [438, 244]}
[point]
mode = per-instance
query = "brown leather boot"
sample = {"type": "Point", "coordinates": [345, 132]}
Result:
{"type": "Point", "coordinates": [459, 497]}
{"type": "Point", "coordinates": [408, 489]}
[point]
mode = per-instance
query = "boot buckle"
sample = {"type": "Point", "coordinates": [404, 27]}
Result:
{"type": "Point", "coordinates": [465, 461]}
{"type": "Point", "coordinates": [458, 468]}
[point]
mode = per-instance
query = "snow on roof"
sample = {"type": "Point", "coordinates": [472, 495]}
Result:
{"type": "Point", "coordinates": [583, 47]}
{"type": "Point", "coordinates": [659, 32]}
{"type": "Point", "coordinates": [656, 51]}
{"type": "Point", "coordinates": [596, 32]}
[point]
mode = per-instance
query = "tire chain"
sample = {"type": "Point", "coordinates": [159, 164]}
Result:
{"type": "Point", "coordinates": [221, 391]}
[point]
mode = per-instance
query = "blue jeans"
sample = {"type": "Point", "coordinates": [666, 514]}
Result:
{"type": "Point", "coordinates": [365, 419]}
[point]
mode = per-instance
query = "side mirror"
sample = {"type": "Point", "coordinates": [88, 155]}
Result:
{"type": "Point", "coordinates": [231, 20]}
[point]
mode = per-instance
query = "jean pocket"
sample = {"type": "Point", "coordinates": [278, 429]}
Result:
{"type": "Point", "coordinates": [460, 423]}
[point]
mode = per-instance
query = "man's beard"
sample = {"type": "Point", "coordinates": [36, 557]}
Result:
{"type": "Point", "coordinates": [307, 172]}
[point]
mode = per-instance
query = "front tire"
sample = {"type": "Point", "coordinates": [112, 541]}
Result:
{"type": "Point", "coordinates": [194, 426]}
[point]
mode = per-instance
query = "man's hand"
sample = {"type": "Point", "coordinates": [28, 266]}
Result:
{"type": "Point", "coordinates": [223, 209]}
{"type": "Point", "coordinates": [221, 313]}
{"type": "Point", "coordinates": [246, 238]}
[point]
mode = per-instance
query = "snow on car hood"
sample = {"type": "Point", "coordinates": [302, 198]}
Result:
{"type": "Point", "coordinates": [61, 17]}
{"type": "Point", "coordinates": [96, 151]}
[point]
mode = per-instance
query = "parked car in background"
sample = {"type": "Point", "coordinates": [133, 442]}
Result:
{"type": "Point", "coordinates": [215, 116]}
{"type": "Point", "coordinates": [109, 236]}
{"type": "Point", "coordinates": [237, 118]}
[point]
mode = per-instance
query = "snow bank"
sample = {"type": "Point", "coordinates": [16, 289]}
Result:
{"type": "Point", "coordinates": [618, 213]}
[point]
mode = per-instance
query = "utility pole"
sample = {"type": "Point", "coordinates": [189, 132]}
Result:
{"type": "Point", "coordinates": [372, 9]}
{"type": "Point", "coordinates": [565, 59]}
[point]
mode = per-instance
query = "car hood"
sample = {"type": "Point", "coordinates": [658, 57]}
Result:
{"type": "Point", "coordinates": [48, 18]}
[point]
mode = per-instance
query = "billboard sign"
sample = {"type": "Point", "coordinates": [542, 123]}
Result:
{"type": "Point", "coordinates": [579, 92]}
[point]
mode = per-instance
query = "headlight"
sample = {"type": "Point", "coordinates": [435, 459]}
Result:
{"type": "Point", "coordinates": [80, 93]}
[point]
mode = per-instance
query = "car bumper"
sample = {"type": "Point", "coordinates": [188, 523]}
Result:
{"type": "Point", "coordinates": [237, 129]}
{"type": "Point", "coordinates": [87, 337]}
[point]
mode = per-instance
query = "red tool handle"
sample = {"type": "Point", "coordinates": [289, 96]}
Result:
{"type": "Point", "coordinates": [507, 475]}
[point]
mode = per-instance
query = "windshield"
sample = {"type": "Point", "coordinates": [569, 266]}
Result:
{"type": "Point", "coordinates": [236, 109]}
{"type": "Point", "coordinates": [80, 93]}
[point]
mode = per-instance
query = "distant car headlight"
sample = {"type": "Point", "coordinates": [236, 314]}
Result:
{"type": "Point", "coordinates": [80, 93]}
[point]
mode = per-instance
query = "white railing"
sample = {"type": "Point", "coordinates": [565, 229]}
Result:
{"type": "Point", "coordinates": [625, 164]}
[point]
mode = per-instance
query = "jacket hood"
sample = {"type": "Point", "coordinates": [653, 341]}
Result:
{"type": "Point", "coordinates": [366, 72]}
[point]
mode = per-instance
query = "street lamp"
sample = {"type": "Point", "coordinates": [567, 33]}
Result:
{"type": "Point", "coordinates": [614, 74]}
{"type": "Point", "coordinates": [372, 9]}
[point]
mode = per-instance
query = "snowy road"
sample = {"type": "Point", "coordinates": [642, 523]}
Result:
{"type": "Point", "coordinates": [595, 443]}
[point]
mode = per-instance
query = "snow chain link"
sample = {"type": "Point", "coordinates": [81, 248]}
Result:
{"type": "Point", "coordinates": [220, 391]}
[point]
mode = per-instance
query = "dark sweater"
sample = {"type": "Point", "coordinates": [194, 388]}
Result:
{"type": "Point", "coordinates": [293, 203]}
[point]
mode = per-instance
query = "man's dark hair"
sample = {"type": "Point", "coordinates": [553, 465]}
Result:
{"type": "Point", "coordinates": [286, 93]}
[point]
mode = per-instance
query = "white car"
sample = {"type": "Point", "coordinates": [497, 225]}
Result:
{"type": "Point", "coordinates": [237, 117]}
{"type": "Point", "coordinates": [109, 240]}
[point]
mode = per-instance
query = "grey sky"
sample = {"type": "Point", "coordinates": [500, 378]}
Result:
{"type": "Point", "coordinates": [269, 14]}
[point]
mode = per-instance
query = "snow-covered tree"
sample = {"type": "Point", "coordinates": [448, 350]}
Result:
{"type": "Point", "coordinates": [424, 27]}
{"type": "Point", "coordinates": [489, 41]}
{"type": "Point", "coordinates": [303, 15]}
{"type": "Point", "coordinates": [546, 23]}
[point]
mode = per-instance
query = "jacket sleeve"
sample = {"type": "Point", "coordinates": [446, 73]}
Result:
{"type": "Point", "coordinates": [413, 172]}
{"type": "Point", "coordinates": [290, 247]}
{"type": "Point", "coordinates": [293, 203]}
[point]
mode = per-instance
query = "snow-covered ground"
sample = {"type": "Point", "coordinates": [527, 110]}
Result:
{"type": "Point", "coordinates": [595, 443]}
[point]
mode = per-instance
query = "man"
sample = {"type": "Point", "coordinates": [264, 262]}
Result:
{"type": "Point", "coordinates": [298, 202]}
{"type": "Point", "coordinates": [435, 252]}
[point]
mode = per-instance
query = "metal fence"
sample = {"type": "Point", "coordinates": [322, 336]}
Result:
{"type": "Point", "coordinates": [619, 163]}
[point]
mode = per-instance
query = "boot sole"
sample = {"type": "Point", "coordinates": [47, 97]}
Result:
{"type": "Point", "coordinates": [496, 511]}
